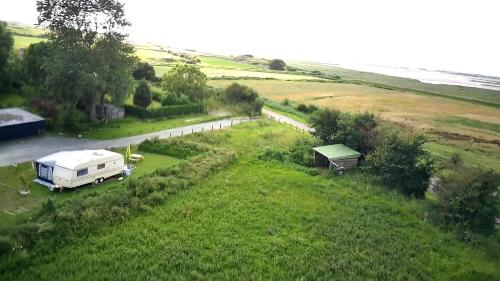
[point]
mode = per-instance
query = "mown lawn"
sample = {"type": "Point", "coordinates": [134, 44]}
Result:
{"type": "Point", "coordinates": [131, 126]}
{"type": "Point", "coordinates": [271, 221]}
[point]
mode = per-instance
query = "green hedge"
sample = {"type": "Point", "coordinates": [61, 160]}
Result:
{"type": "Point", "coordinates": [164, 111]}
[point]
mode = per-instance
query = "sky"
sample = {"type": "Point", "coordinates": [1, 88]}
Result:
{"type": "Point", "coordinates": [455, 35]}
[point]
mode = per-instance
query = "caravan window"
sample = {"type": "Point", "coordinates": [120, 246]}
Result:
{"type": "Point", "coordinates": [100, 166]}
{"type": "Point", "coordinates": [82, 172]}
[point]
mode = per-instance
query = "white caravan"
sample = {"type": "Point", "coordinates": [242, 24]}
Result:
{"type": "Point", "coordinates": [69, 169]}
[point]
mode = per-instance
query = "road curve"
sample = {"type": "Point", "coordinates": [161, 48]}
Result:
{"type": "Point", "coordinates": [285, 119]}
{"type": "Point", "coordinates": [28, 149]}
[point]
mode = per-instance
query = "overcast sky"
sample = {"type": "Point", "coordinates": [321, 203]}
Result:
{"type": "Point", "coordinates": [458, 35]}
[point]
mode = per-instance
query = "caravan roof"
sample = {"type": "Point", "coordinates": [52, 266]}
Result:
{"type": "Point", "coordinates": [78, 158]}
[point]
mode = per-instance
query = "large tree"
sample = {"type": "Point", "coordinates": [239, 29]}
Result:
{"type": "Point", "coordinates": [90, 63]}
{"type": "Point", "coordinates": [144, 70]}
{"type": "Point", "coordinates": [35, 61]}
{"type": "Point", "coordinates": [187, 80]}
{"type": "Point", "coordinates": [277, 64]}
{"type": "Point", "coordinates": [6, 43]}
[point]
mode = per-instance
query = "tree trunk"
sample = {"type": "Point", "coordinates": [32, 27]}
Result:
{"type": "Point", "coordinates": [101, 107]}
{"type": "Point", "coordinates": [93, 116]}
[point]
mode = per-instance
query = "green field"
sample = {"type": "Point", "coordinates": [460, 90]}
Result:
{"type": "Point", "coordinates": [131, 126]}
{"type": "Point", "coordinates": [456, 120]}
{"type": "Point", "coordinates": [260, 220]}
{"type": "Point", "coordinates": [13, 206]}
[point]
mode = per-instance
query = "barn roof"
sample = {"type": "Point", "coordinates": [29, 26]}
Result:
{"type": "Point", "coordinates": [337, 152]}
{"type": "Point", "coordinates": [16, 115]}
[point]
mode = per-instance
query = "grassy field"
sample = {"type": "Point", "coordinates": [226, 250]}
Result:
{"type": "Point", "coordinates": [259, 220]}
{"type": "Point", "coordinates": [404, 83]}
{"type": "Point", "coordinates": [132, 126]}
{"type": "Point", "coordinates": [217, 62]}
{"type": "Point", "coordinates": [13, 206]}
{"type": "Point", "coordinates": [419, 111]}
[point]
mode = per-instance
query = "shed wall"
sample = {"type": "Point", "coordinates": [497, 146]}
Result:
{"type": "Point", "coordinates": [22, 130]}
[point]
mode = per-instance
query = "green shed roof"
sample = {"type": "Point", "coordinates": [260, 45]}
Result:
{"type": "Point", "coordinates": [337, 152]}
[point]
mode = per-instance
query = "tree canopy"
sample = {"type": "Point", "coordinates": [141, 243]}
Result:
{"type": "Point", "coordinates": [144, 70]}
{"type": "Point", "coordinates": [277, 64]}
{"type": "Point", "coordinates": [6, 43]}
{"type": "Point", "coordinates": [184, 79]}
{"type": "Point", "coordinates": [90, 62]}
{"type": "Point", "coordinates": [142, 95]}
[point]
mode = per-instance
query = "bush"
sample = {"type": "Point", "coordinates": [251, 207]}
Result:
{"type": "Point", "coordinates": [301, 152]}
{"type": "Point", "coordinates": [244, 98]}
{"type": "Point", "coordinates": [277, 64]}
{"type": "Point", "coordinates": [236, 93]}
{"type": "Point", "coordinates": [70, 119]}
{"type": "Point", "coordinates": [302, 108]}
{"type": "Point", "coordinates": [273, 154]}
{"type": "Point", "coordinates": [401, 163]}
{"type": "Point", "coordinates": [306, 109]}
{"type": "Point", "coordinates": [144, 70]}
{"type": "Point", "coordinates": [286, 102]}
{"type": "Point", "coordinates": [162, 112]}
{"type": "Point", "coordinates": [466, 198]}
{"type": "Point", "coordinates": [142, 95]}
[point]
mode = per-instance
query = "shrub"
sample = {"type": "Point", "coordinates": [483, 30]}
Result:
{"type": "Point", "coordinates": [286, 102]}
{"type": "Point", "coordinates": [142, 95]}
{"type": "Point", "coordinates": [312, 108]}
{"type": "Point", "coordinates": [301, 152]}
{"type": "Point", "coordinates": [70, 119]}
{"type": "Point", "coordinates": [401, 163]}
{"type": "Point", "coordinates": [302, 108]}
{"type": "Point", "coordinates": [277, 64]}
{"type": "Point", "coordinates": [273, 154]}
{"type": "Point", "coordinates": [306, 109]}
{"type": "Point", "coordinates": [144, 70]}
{"type": "Point", "coordinates": [466, 198]}
{"type": "Point", "coordinates": [236, 93]}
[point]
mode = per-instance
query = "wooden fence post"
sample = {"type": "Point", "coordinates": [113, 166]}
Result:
{"type": "Point", "coordinates": [212, 127]}
{"type": "Point", "coordinates": [192, 130]}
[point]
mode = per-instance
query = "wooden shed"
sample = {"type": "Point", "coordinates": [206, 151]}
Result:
{"type": "Point", "coordinates": [336, 156]}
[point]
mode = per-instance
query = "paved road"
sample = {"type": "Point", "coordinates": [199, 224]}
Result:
{"type": "Point", "coordinates": [28, 149]}
{"type": "Point", "coordinates": [285, 119]}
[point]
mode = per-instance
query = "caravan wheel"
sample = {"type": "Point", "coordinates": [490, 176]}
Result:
{"type": "Point", "coordinates": [96, 181]}
{"type": "Point", "coordinates": [101, 180]}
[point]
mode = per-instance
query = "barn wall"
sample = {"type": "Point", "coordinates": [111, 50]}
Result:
{"type": "Point", "coordinates": [22, 130]}
{"type": "Point", "coordinates": [347, 163]}
{"type": "Point", "coordinates": [320, 160]}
